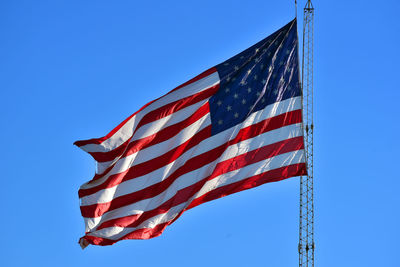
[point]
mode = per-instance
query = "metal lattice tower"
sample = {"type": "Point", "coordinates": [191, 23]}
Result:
{"type": "Point", "coordinates": [306, 226]}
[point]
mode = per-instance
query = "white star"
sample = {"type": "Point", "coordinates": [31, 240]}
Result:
{"type": "Point", "coordinates": [269, 54]}
{"type": "Point", "coordinates": [276, 43]}
{"type": "Point", "coordinates": [219, 103]}
{"type": "Point", "coordinates": [289, 87]}
{"type": "Point", "coordinates": [262, 66]}
{"type": "Point", "coordinates": [235, 95]}
{"type": "Point", "coordinates": [236, 68]}
{"type": "Point", "coordinates": [226, 64]}
{"type": "Point", "coordinates": [274, 75]}
{"type": "Point", "coordinates": [249, 90]}
{"type": "Point", "coordinates": [264, 81]}
{"type": "Point", "coordinates": [287, 52]}
{"type": "Point", "coordinates": [275, 92]}
{"type": "Point", "coordinates": [236, 115]}
{"type": "Point", "coordinates": [228, 108]}
{"type": "Point", "coordinates": [220, 122]}
{"type": "Point", "coordinates": [242, 82]}
{"type": "Point", "coordinates": [280, 63]}
{"type": "Point", "coordinates": [227, 90]}
{"type": "Point", "coordinates": [258, 93]}
{"type": "Point", "coordinates": [255, 77]}
{"type": "Point", "coordinates": [262, 100]}
{"type": "Point", "coordinates": [233, 79]}
{"type": "Point", "coordinates": [243, 101]}
{"type": "Point", "coordinates": [264, 50]}
{"type": "Point", "coordinates": [242, 57]}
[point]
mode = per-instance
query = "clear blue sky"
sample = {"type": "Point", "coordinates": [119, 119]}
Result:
{"type": "Point", "coordinates": [73, 70]}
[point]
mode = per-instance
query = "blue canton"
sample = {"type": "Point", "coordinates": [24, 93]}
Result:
{"type": "Point", "coordinates": [263, 74]}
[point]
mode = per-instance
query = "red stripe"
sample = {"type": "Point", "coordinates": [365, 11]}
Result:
{"type": "Point", "coordinates": [148, 166]}
{"type": "Point", "coordinates": [194, 163]}
{"type": "Point", "coordinates": [197, 78]}
{"type": "Point", "coordinates": [199, 161]}
{"type": "Point", "coordinates": [102, 139]}
{"type": "Point", "coordinates": [176, 106]}
{"type": "Point", "coordinates": [262, 153]}
{"type": "Point", "coordinates": [129, 148]}
{"type": "Point", "coordinates": [229, 165]}
{"type": "Point", "coordinates": [158, 162]}
{"type": "Point", "coordinates": [254, 181]}
{"type": "Point", "coordinates": [144, 233]}
{"type": "Point", "coordinates": [161, 136]}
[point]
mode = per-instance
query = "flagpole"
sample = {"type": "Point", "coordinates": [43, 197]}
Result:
{"type": "Point", "coordinates": [306, 226]}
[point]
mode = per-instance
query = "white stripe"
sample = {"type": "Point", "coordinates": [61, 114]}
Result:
{"type": "Point", "coordinates": [279, 161]}
{"type": "Point", "coordinates": [126, 131]}
{"type": "Point", "coordinates": [157, 176]}
{"type": "Point", "coordinates": [154, 127]}
{"type": "Point", "coordinates": [269, 111]}
{"type": "Point", "coordinates": [151, 152]}
{"type": "Point", "coordinates": [282, 160]}
{"type": "Point", "coordinates": [189, 178]}
{"type": "Point", "coordinates": [176, 117]}
{"type": "Point", "coordinates": [115, 233]}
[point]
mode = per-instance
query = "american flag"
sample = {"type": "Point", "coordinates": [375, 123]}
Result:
{"type": "Point", "coordinates": [235, 126]}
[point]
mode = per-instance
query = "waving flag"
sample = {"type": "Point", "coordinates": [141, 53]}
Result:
{"type": "Point", "coordinates": [236, 126]}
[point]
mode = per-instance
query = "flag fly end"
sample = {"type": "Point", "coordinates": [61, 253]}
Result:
{"type": "Point", "coordinates": [83, 243]}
